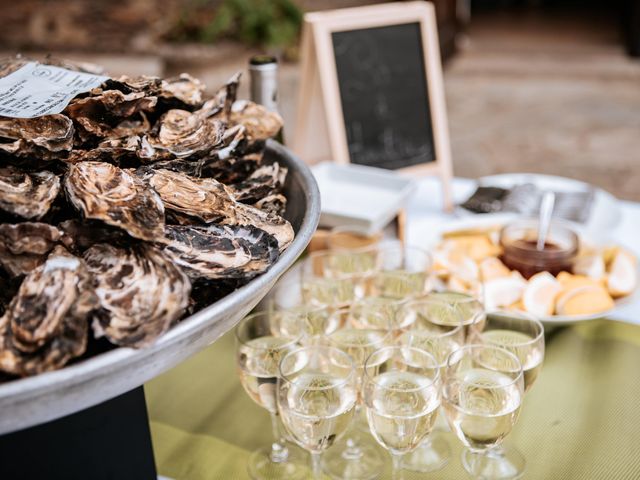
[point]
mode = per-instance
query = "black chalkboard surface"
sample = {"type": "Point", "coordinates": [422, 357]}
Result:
{"type": "Point", "coordinates": [384, 96]}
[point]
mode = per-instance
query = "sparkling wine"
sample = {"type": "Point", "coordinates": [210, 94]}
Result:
{"type": "Point", "coordinates": [482, 406]}
{"type": "Point", "coordinates": [258, 361]}
{"type": "Point", "coordinates": [402, 409]}
{"type": "Point", "coordinates": [316, 409]}
{"type": "Point", "coordinates": [522, 346]}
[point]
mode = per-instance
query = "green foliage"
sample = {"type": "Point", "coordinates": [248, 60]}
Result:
{"type": "Point", "coordinates": [264, 23]}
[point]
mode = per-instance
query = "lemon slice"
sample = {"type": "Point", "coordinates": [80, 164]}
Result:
{"type": "Point", "coordinates": [591, 266]}
{"type": "Point", "coordinates": [539, 297]}
{"type": "Point", "coordinates": [503, 291]}
{"type": "Point", "coordinates": [491, 268]}
{"type": "Point", "coordinates": [623, 274]}
{"type": "Point", "coordinates": [584, 300]}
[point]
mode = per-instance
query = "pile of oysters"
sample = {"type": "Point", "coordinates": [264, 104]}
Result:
{"type": "Point", "coordinates": [140, 203]}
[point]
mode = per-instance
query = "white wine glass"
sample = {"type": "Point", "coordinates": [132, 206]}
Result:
{"type": "Point", "coordinates": [523, 335]}
{"type": "Point", "coordinates": [402, 396]}
{"type": "Point", "coordinates": [469, 307]}
{"type": "Point", "coordinates": [436, 328]}
{"type": "Point", "coordinates": [259, 349]}
{"type": "Point", "coordinates": [315, 322]}
{"type": "Point", "coordinates": [482, 395]}
{"type": "Point", "coordinates": [336, 279]}
{"type": "Point", "coordinates": [357, 456]}
{"type": "Point", "coordinates": [317, 394]}
{"type": "Point", "coordinates": [403, 272]}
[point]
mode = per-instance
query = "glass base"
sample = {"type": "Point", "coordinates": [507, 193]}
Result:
{"type": "Point", "coordinates": [357, 457]}
{"type": "Point", "coordinates": [502, 463]}
{"type": "Point", "coordinates": [432, 455]}
{"type": "Point", "coordinates": [295, 467]}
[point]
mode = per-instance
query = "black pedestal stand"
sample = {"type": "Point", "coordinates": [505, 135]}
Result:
{"type": "Point", "coordinates": [110, 441]}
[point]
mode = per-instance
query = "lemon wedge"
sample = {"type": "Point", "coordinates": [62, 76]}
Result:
{"type": "Point", "coordinates": [503, 291]}
{"type": "Point", "coordinates": [539, 297]}
{"type": "Point", "coordinates": [622, 277]}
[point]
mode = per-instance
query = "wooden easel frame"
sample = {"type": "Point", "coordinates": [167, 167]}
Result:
{"type": "Point", "coordinates": [322, 84]}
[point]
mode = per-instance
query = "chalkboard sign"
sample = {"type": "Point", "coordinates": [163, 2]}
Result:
{"type": "Point", "coordinates": [384, 96]}
{"type": "Point", "coordinates": [372, 90]}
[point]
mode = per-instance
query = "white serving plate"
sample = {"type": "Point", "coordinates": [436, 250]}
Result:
{"type": "Point", "coordinates": [488, 220]}
{"type": "Point", "coordinates": [361, 196]}
{"type": "Point", "coordinates": [605, 211]}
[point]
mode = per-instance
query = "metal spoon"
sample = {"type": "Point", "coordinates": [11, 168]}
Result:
{"type": "Point", "coordinates": [544, 222]}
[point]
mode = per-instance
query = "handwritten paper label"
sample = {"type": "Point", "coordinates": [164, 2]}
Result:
{"type": "Point", "coordinates": [35, 90]}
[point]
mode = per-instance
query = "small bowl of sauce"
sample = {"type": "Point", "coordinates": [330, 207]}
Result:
{"type": "Point", "coordinates": [519, 239]}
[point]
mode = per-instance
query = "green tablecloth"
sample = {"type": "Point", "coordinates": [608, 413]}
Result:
{"type": "Point", "coordinates": [580, 421]}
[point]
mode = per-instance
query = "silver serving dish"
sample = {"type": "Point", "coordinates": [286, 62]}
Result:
{"type": "Point", "coordinates": [35, 400]}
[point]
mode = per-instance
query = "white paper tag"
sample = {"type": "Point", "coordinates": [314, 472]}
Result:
{"type": "Point", "coordinates": [35, 90]}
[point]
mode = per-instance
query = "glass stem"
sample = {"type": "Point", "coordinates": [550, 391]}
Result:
{"type": "Point", "coordinates": [279, 450]}
{"type": "Point", "coordinates": [396, 463]}
{"type": "Point", "coordinates": [353, 451]}
{"type": "Point", "coordinates": [316, 465]}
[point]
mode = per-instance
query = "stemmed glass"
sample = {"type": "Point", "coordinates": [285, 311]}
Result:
{"type": "Point", "coordinates": [336, 278]}
{"type": "Point", "coordinates": [469, 307]}
{"type": "Point", "coordinates": [403, 272]}
{"type": "Point", "coordinates": [315, 322]}
{"type": "Point", "coordinates": [401, 394]}
{"type": "Point", "coordinates": [523, 335]}
{"type": "Point", "coordinates": [259, 348]}
{"type": "Point", "coordinates": [357, 456]}
{"type": "Point", "coordinates": [317, 394]}
{"type": "Point", "coordinates": [482, 394]}
{"type": "Point", "coordinates": [436, 328]}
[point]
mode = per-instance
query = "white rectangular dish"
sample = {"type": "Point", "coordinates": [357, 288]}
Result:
{"type": "Point", "coordinates": [361, 196]}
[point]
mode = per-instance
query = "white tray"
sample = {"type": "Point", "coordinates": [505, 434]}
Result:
{"type": "Point", "coordinates": [361, 196]}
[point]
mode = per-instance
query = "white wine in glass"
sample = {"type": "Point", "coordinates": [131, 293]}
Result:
{"type": "Point", "coordinates": [259, 349]}
{"type": "Point", "coordinates": [316, 398]}
{"type": "Point", "coordinates": [402, 396]}
{"type": "Point", "coordinates": [482, 395]}
{"type": "Point", "coordinates": [436, 328]}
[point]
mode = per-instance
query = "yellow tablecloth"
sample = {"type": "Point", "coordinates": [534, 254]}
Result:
{"type": "Point", "coordinates": [580, 421]}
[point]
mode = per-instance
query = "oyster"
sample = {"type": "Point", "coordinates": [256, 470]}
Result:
{"type": "Point", "coordinates": [184, 88]}
{"type": "Point", "coordinates": [28, 195]}
{"type": "Point", "coordinates": [110, 149]}
{"type": "Point", "coordinates": [24, 246]}
{"type": "Point", "coordinates": [264, 181]}
{"type": "Point", "coordinates": [107, 115]}
{"type": "Point", "coordinates": [275, 204]}
{"type": "Point", "coordinates": [210, 200]}
{"type": "Point", "coordinates": [46, 323]}
{"type": "Point", "coordinates": [221, 252]}
{"type": "Point", "coordinates": [102, 191]}
{"type": "Point", "coordinates": [141, 293]}
{"type": "Point", "coordinates": [180, 133]}
{"type": "Point", "coordinates": [259, 122]}
{"type": "Point", "coordinates": [52, 133]}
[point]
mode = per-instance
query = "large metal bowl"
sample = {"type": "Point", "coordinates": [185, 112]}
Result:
{"type": "Point", "coordinates": [48, 396]}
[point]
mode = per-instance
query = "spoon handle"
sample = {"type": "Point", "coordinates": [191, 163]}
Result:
{"type": "Point", "coordinates": [546, 210]}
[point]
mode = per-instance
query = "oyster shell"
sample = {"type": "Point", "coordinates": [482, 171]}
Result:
{"type": "Point", "coordinates": [264, 181]}
{"type": "Point", "coordinates": [210, 200]}
{"type": "Point", "coordinates": [24, 246]}
{"type": "Point", "coordinates": [110, 149]}
{"type": "Point", "coordinates": [104, 115]}
{"type": "Point", "coordinates": [276, 204]}
{"type": "Point", "coordinates": [28, 195]}
{"type": "Point", "coordinates": [184, 88]}
{"type": "Point", "coordinates": [141, 293]}
{"type": "Point", "coordinates": [46, 323]}
{"type": "Point", "coordinates": [53, 133]}
{"type": "Point", "coordinates": [180, 133]}
{"type": "Point", "coordinates": [102, 191]}
{"type": "Point", "coordinates": [221, 252]}
{"type": "Point", "coordinates": [259, 122]}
